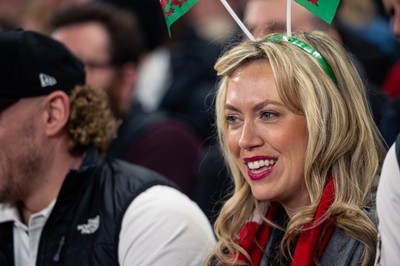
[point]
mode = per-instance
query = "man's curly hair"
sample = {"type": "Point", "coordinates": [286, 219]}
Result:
{"type": "Point", "coordinates": [91, 123]}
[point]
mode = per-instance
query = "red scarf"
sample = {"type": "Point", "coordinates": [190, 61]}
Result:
{"type": "Point", "coordinates": [254, 236]}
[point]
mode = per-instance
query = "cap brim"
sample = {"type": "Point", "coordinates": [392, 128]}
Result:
{"type": "Point", "coordinates": [6, 101]}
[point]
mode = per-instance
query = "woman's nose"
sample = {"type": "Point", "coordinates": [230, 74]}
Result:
{"type": "Point", "coordinates": [250, 137]}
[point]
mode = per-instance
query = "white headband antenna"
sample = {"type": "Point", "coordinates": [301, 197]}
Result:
{"type": "Point", "coordinates": [238, 21]}
{"type": "Point", "coordinates": [289, 18]}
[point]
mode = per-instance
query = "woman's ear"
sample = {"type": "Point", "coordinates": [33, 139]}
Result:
{"type": "Point", "coordinates": [57, 112]}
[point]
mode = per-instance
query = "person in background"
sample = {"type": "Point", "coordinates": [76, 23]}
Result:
{"type": "Point", "coordinates": [388, 194]}
{"type": "Point", "coordinates": [392, 80]}
{"type": "Point", "coordinates": [177, 77]}
{"type": "Point", "coordinates": [63, 201]}
{"type": "Point", "coordinates": [264, 17]}
{"type": "Point", "coordinates": [359, 24]}
{"type": "Point", "coordinates": [109, 42]}
{"type": "Point", "coordinates": [304, 153]}
{"type": "Point", "coordinates": [31, 15]}
{"type": "Point", "coordinates": [392, 8]}
{"type": "Point", "coordinates": [213, 22]}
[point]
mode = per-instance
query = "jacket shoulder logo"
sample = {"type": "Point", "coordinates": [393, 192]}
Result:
{"type": "Point", "coordinates": [90, 227]}
{"type": "Point", "coordinates": [47, 80]}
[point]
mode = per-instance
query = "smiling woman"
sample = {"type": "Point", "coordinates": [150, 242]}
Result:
{"type": "Point", "coordinates": [267, 140]}
{"type": "Point", "coordinates": [303, 151]}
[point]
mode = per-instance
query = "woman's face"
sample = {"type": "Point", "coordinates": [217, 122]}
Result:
{"type": "Point", "coordinates": [267, 141]}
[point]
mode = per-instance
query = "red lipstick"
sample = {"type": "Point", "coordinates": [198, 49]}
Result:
{"type": "Point", "coordinates": [262, 172]}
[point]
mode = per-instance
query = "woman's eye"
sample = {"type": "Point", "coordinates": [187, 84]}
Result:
{"type": "Point", "coordinates": [268, 115]}
{"type": "Point", "coordinates": [230, 119]}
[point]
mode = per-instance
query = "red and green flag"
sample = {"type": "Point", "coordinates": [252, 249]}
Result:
{"type": "Point", "coordinates": [174, 9]}
{"type": "Point", "coordinates": [324, 9]}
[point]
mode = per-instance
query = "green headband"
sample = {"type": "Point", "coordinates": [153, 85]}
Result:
{"type": "Point", "coordinates": [308, 49]}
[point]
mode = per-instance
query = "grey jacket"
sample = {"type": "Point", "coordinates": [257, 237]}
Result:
{"type": "Point", "coordinates": [342, 250]}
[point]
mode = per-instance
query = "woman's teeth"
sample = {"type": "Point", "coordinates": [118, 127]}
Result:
{"type": "Point", "coordinates": [261, 163]}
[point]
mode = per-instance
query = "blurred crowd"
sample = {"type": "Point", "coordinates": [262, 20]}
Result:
{"type": "Point", "coordinates": [168, 86]}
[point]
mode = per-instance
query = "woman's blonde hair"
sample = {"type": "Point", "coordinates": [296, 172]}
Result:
{"type": "Point", "coordinates": [91, 122]}
{"type": "Point", "coordinates": [343, 140]}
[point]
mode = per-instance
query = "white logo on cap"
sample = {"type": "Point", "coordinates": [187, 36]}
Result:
{"type": "Point", "coordinates": [46, 80]}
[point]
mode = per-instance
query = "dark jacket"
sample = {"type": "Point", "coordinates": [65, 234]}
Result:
{"type": "Point", "coordinates": [83, 228]}
{"type": "Point", "coordinates": [161, 143]}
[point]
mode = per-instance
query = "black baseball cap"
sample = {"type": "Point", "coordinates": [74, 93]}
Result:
{"type": "Point", "coordinates": [33, 64]}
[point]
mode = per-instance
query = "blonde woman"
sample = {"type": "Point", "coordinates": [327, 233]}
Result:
{"type": "Point", "coordinates": [303, 151]}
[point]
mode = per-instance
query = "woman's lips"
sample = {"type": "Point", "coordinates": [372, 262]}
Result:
{"type": "Point", "coordinates": [259, 167]}
{"type": "Point", "coordinates": [259, 174]}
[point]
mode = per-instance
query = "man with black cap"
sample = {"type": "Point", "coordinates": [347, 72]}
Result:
{"type": "Point", "coordinates": [63, 202]}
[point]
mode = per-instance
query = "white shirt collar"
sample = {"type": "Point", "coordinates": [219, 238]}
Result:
{"type": "Point", "coordinates": [10, 213]}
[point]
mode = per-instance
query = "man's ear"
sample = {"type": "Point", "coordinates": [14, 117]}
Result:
{"type": "Point", "coordinates": [57, 111]}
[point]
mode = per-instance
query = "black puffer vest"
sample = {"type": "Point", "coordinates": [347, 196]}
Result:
{"type": "Point", "coordinates": [84, 226]}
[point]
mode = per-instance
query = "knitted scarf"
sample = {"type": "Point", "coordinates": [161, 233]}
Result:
{"type": "Point", "coordinates": [310, 246]}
